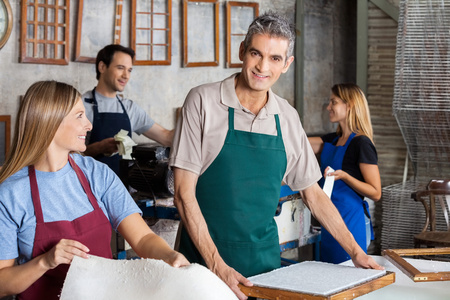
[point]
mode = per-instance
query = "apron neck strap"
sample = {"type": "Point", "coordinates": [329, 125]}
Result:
{"type": "Point", "coordinates": [230, 118]}
{"type": "Point", "coordinates": [351, 136]}
{"type": "Point", "coordinates": [35, 195]}
{"type": "Point", "coordinates": [94, 100]}
{"type": "Point", "coordinates": [84, 182]}
{"type": "Point", "coordinates": [277, 122]}
{"type": "Point", "coordinates": [231, 121]}
{"type": "Point", "coordinates": [35, 190]}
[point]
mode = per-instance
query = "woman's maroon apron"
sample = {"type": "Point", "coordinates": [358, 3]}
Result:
{"type": "Point", "coordinates": [93, 230]}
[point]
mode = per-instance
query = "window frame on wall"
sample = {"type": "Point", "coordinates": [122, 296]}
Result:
{"type": "Point", "coordinates": [115, 33]}
{"type": "Point", "coordinates": [135, 27]}
{"type": "Point", "coordinates": [215, 38]}
{"type": "Point", "coordinates": [230, 34]}
{"type": "Point", "coordinates": [6, 119]}
{"type": "Point", "coordinates": [118, 22]}
{"type": "Point", "coordinates": [35, 32]}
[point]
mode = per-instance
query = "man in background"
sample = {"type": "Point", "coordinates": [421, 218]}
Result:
{"type": "Point", "coordinates": [109, 112]}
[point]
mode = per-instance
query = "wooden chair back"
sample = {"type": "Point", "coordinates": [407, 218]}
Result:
{"type": "Point", "coordinates": [436, 200]}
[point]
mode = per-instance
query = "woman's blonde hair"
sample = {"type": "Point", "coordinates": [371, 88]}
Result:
{"type": "Point", "coordinates": [41, 111]}
{"type": "Point", "coordinates": [358, 115]}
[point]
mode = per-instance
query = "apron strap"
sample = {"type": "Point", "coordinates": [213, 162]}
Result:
{"type": "Point", "coordinates": [230, 118]}
{"type": "Point", "coordinates": [35, 195]}
{"type": "Point", "coordinates": [94, 102]}
{"type": "Point", "coordinates": [35, 190]}
{"type": "Point", "coordinates": [277, 121]}
{"type": "Point", "coordinates": [352, 135]}
{"type": "Point", "coordinates": [95, 108]}
{"type": "Point", "coordinates": [231, 121]}
{"type": "Point", "coordinates": [84, 183]}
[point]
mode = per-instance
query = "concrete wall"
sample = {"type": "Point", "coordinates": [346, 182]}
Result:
{"type": "Point", "coordinates": [329, 54]}
{"type": "Point", "coordinates": [158, 89]}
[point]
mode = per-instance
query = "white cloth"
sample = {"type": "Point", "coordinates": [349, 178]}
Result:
{"type": "Point", "coordinates": [125, 144]}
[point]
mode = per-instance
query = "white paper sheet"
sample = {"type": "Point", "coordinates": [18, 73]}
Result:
{"type": "Point", "coordinates": [100, 278]}
{"type": "Point", "coordinates": [319, 278]}
{"type": "Point", "coordinates": [329, 183]}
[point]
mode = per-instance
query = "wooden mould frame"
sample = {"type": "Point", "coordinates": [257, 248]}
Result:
{"type": "Point", "coordinates": [395, 257]}
{"type": "Point", "coordinates": [118, 22]}
{"type": "Point", "coordinates": [115, 34]}
{"type": "Point", "coordinates": [135, 27]}
{"type": "Point", "coordinates": [350, 293]}
{"type": "Point", "coordinates": [7, 134]}
{"type": "Point", "coordinates": [43, 31]}
{"type": "Point", "coordinates": [230, 34]}
{"type": "Point", "coordinates": [215, 38]}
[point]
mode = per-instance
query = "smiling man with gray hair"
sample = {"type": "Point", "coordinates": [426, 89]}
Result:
{"type": "Point", "coordinates": [235, 142]}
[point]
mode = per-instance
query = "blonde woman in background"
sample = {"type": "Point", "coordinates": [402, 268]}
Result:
{"type": "Point", "coordinates": [56, 203]}
{"type": "Point", "coordinates": [350, 151]}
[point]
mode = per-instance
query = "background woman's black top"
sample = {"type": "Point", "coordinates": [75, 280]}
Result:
{"type": "Point", "coordinates": [360, 150]}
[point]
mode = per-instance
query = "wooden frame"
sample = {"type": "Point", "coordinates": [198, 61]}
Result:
{"type": "Point", "coordinates": [7, 137]}
{"type": "Point", "coordinates": [233, 35]}
{"type": "Point", "coordinates": [9, 25]}
{"type": "Point", "coordinates": [44, 32]}
{"type": "Point", "coordinates": [353, 292]}
{"type": "Point", "coordinates": [118, 22]}
{"type": "Point", "coordinates": [188, 45]}
{"type": "Point", "coordinates": [115, 19]}
{"type": "Point", "coordinates": [395, 257]}
{"type": "Point", "coordinates": [154, 33]}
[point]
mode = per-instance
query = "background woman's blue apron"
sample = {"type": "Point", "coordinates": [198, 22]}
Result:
{"type": "Point", "coordinates": [349, 204]}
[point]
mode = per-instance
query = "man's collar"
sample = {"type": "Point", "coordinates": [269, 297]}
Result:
{"type": "Point", "coordinates": [100, 95]}
{"type": "Point", "coordinates": [229, 98]}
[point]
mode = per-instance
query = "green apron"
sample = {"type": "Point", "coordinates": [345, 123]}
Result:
{"type": "Point", "coordinates": [238, 196]}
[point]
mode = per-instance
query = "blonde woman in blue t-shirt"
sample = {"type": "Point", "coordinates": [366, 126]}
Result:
{"type": "Point", "coordinates": [56, 204]}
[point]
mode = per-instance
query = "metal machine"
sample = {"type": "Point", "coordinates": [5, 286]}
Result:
{"type": "Point", "coordinates": [148, 174]}
{"type": "Point", "coordinates": [150, 182]}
